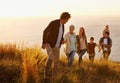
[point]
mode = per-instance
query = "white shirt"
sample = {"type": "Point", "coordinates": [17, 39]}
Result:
{"type": "Point", "coordinates": [59, 36]}
{"type": "Point", "coordinates": [105, 41]}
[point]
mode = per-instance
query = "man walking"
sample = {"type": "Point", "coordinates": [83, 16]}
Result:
{"type": "Point", "coordinates": [106, 44]}
{"type": "Point", "coordinates": [52, 40]}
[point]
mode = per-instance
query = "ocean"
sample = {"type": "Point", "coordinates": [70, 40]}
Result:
{"type": "Point", "coordinates": [30, 29]}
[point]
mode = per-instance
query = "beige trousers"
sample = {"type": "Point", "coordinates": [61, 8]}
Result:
{"type": "Point", "coordinates": [53, 54]}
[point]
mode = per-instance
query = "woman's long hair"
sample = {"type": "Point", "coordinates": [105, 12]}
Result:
{"type": "Point", "coordinates": [83, 35]}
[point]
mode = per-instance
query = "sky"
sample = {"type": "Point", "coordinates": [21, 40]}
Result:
{"type": "Point", "coordinates": [55, 7]}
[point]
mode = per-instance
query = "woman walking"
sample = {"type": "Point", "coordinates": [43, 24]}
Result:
{"type": "Point", "coordinates": [81, 43]}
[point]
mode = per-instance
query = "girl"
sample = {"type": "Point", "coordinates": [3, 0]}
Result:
{"type": "Point", "coordinates": [81, 43]}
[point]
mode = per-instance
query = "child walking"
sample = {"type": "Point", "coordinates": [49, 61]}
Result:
{"type": "Point", "coordinates": [91, 49]}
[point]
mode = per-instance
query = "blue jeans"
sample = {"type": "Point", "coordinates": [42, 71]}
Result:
{"type": "Point", "coordinates": [70, 57]}
{"type": "Point", "coordinates": [81, 53]}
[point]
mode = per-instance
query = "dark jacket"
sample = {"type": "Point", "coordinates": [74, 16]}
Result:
{"type": "Point", "coordinates": [109, 45]}
{"type": "Point", "coordinates": [50, 34]}
{"type": "Point", "coordinates": [78, 43]}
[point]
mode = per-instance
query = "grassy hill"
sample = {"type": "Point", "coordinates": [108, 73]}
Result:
{"type": "Point", "coordinates": [20, 64]}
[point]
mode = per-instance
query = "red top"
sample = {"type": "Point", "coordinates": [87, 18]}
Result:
{"type": "Point", "coordinates": [91, 48]}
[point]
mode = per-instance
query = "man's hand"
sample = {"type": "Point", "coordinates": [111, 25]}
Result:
{"type": "Point", "coordinates": [44, 46]}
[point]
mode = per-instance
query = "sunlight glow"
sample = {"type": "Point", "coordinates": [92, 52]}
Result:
{"type": "Point", "coordinates": [54, 7]}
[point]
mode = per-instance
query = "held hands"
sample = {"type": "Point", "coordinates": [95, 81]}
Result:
{"type": "Point", "coordinates": [99, 50]}
{"type": "Point", "coordinates": [63, 41]}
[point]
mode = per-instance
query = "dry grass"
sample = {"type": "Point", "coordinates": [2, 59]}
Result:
{"type": "Point", "coordinates": [27, 65]}
{"type": "Point", "coordinates": [11, 69]}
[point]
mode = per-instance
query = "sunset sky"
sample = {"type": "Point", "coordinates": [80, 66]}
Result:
{"type": "Point", "coordinates": [55, 7]}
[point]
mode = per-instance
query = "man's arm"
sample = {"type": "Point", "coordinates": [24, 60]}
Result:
{"type": "Point", "coordinates": [46, 33]}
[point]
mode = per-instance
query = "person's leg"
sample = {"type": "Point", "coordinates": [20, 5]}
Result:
{"type": "Point", "coordinates": [68, 56]}
{"type": "Point", "coordinates": [50, 56]}
{"type": "Point", "coordinates": [105, 55]}
{"type": "Point", "coordinates": [71, 58]}
{"type": "Point", "coordinates": [48, 65]}
{"type": "Point", "coordinates": [56, 52]}
{"type": "Point", "coordinates": [82, 52]}
{"type": "Point", "coordinates": [108, 53]}
{"type": "Point", "coordinates": [48, 71]}
{"type": "Point", "coordinates": [92, 58]}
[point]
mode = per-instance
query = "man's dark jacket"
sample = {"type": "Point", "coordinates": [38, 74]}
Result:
{"type": "Point", "coordinates": [50, 34]}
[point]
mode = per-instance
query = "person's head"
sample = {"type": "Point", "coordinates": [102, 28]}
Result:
{"type": "Point", "coordinates": [91, 39]}
{"type": "Point", "coordinates": [71, 28]}
{"type": "Point", "coordinates": [65, 16]}
{"type": "Point", "coordinates": [82, 32]}
{"type": "Point", "coordinates": [107, 27]}
{"type": "Point", "coordinates": [106, 34]}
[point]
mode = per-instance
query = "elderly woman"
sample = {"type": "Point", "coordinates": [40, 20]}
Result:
{"type": "Point", "coordinates": [70, 42]}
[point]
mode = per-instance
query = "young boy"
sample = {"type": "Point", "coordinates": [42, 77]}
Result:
{"type": "Point", "coordinates": [91, 49]}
